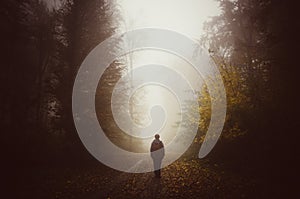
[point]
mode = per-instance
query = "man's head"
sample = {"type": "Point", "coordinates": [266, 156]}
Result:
{"type": "Point", "coordinates": [156, 136]}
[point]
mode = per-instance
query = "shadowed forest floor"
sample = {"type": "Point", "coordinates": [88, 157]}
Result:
{"type": "Point", "coordinates": [182, 179]}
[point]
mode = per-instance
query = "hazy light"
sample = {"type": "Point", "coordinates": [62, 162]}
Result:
{"type": "Point", "coordinates": [186, 17]}
{"type": "Point", "coordinates": [148, 95]}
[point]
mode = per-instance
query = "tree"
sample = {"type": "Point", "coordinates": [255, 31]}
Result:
{"type": "Point", "coordinates": [46, 45]}
{"type": "Point", "coordinates": [255, 38]}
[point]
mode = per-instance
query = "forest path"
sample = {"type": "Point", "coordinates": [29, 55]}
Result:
{"type": "Point", "coordinates": [193, 178]}
{"type": "Point", "coordinates": [182, 179]}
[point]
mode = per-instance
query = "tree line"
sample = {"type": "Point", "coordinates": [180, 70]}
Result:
{"type": "Point", "coordinates": [44, 43]}
{"type": "Point", "coordinates": [252, 43]}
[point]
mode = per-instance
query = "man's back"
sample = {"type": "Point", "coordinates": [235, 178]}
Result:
{"type": "Point", "coordinates": [157, 154]}
{"type": "Point", "coordinates": [156, 145]}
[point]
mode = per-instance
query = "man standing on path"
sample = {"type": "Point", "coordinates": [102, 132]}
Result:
{"type": "Point", "coordinates": [157, 153]}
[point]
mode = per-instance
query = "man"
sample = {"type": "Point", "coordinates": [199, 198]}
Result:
{"type": "Point", "coordinates": [157, 153]}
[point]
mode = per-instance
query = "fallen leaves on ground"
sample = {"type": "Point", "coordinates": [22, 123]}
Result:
{"type": "Point", "coordinates": [182, 179]}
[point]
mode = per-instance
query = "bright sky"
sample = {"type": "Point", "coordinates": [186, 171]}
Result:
{"type": "Point", "coordinates": [185, 16]}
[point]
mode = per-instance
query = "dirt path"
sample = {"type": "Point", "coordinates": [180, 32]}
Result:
{"type": "Point", "coordinates": [182, 179]}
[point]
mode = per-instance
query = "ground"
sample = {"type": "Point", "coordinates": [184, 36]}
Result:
{"type": "Point", "coordinates": [193, 178]}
